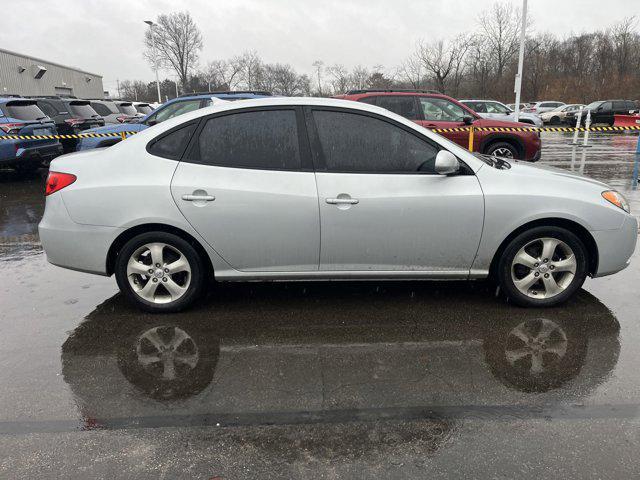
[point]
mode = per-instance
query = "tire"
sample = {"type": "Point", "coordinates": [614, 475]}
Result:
{"type": "Point", "coordinates": [555, 120]}
{"type": "Point", "coordinates": [502, 149]}
{"type": "Point", "coordinates": [560, 274]}
{"type": "Point", "coordinates": [167, 291]}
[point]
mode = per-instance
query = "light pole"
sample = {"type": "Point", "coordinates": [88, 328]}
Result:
{"type": "Point", "coordinates": [155, 56]}
{"type": "Point", "coordinates": [523, 29]}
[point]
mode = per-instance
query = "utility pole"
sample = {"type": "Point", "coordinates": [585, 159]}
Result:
{"type": "Point", "coordinates": [518, 86]}
{"type": "Point", "coordinates": [155, 56]}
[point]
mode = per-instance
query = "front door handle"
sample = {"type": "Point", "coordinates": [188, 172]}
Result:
{"type": "Point", "coordinates": [198, 198]}
{"type": "Point", "coordinates": [342, 201]}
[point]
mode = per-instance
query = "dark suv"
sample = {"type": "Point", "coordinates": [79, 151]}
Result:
{"type": "Point", "coordinates": [71, 116]}
{"type": "Point", "coordinates": [604, 111]}
{"type": "Point", "coordinates": [434, 110]}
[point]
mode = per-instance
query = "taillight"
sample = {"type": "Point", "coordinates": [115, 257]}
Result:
{"type": "Point", "coordinates": [11, 127]}
{"type": "Point", "coordinates": [74, 121]}
{"type": "Point", "coordinates": [57, 181]}
{"type": "Point", "coordinates": [122, 119]}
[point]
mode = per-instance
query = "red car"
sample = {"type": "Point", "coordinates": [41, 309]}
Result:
{"type": "Point", "coordinates": [434, 110]}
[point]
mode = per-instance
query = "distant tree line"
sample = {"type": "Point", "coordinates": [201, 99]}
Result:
{"type": "Point", "coordinates": [480, 64]}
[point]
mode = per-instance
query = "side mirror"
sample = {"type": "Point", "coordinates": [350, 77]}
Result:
{"type": "Point", "coordinates": [467, 120]}
{"type": "Point", "coordinates": [446, 163]}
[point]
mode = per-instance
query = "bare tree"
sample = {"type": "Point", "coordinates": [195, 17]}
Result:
{"type": "Point", "coordinates": [178, 42]}
{"type": "Point", "coordinates": [500, 30]}
{"type": "Point", "coordinates": [318, 64]}
{"type": "Point", "coordinates": [339, 78]}
{"type": "Point", "coordinates": [223, 74]}
{"type": "Point", "coordinates": [444, 61]}
{"type": "Point", "coordinates": [412, 72]}
{"type": "Point", "coordinates": [359, 77]}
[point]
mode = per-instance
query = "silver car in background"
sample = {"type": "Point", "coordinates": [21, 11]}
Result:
{"type": "Point", "coordinates": [499, 111]}
{"type": "Point", "coordinates": [323, 189]}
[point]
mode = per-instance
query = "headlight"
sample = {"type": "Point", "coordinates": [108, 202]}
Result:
{"type": "Point", "coordinates": [617, 199]}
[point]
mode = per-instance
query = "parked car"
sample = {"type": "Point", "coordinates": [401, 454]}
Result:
{"type": "Point", "coordinates": [107, 109]}
{"type": "Point", "coordinates": [541, 107]}
{"type": "Point", "coordinates": [127, 110]}
{"type": "Point", "coordinates": [71, 116]}
{"type": "Point", "coordinates": [523, 106]}
{"type": "Point", "coordinates": [250, 190]}
{"type": "Point", "coordinates": [170, 109]}
{"type": "Point", "coordinates": [434, 110]}
{"type": "Point", "coordinates": [604, 111]}
{"type": "Point", "coordinates": [142, 108]}
{"type": "Point", "coordinates": [499, 111]}
{"type": "Point", "coordinates": [559, 115]}
{"type": "Point", "coordinates": [21, 116]}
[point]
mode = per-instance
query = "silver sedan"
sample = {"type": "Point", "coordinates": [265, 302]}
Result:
{"type": "Point", "coordinates": [323, 189]}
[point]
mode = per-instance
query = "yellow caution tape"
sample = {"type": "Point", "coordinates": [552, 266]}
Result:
{"type": "Point", "coordinates": [437, 130]}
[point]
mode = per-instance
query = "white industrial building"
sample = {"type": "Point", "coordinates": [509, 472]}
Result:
{"type": "Point", "coordinates": [26, 75]}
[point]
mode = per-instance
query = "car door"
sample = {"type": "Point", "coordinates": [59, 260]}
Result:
{"type": "Point", "coordinates": [604, 113]}
{"type": "Point", "coordinates": [247, 186]}
{"type": "Point", "coordinates": [439, 112]}
{"type": "Point", "coordinates": [382, 207]}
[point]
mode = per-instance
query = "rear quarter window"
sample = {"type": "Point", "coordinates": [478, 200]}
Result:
{"type": "Point", "coordinates": [173, 144]}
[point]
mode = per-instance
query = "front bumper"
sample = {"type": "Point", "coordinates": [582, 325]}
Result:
{"type": "Point", "coordinates": [72, 245]}
{"type": "Point", "coordinates": [615, 247]}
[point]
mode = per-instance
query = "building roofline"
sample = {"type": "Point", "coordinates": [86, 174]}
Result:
{"type": "Point", "coordinates": [17, 54]}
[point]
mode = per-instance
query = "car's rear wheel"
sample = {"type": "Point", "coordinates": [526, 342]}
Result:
{"type": "Point", "coordinates": [555, 120]}
{"type": "Point", "coordinates": [502, 149]}
{"type": "Point", "coordinates": [160, 272]}
{"type": "Point", "coordinates": [543, 267]}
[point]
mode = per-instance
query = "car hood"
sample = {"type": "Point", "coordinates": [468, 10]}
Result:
{"type": "Point", "coordinates": [121, 127]}
{"type": "Point", "coordinates": [531, 169]}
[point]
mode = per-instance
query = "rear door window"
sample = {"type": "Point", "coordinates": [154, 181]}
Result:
{"type": "Point", "coordinates": [24, 111]}
{"type": "Point", "coordinates": [265, 139]}
{"type": "Point", "coordinates": [356, 143]}
{"type": "Point", "coordinates": [404, 105]}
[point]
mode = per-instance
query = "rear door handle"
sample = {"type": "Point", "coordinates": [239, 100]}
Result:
{"type": "Point", "coordinates": [198, 198]}
{"type": "Point", "coordinates": [342, 201]}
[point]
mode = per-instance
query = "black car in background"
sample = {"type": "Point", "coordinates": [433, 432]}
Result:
{"type": "Point", "coordinates": [71, 116]}
{"type": "Point", "coordinates": [603, 111]}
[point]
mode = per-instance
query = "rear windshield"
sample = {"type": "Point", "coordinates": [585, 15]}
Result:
{"type": "Point", "coordinates": [83, 110]}
{"type": "Point", "coordinates": [105, 108]}
{"type": "Point", "coordinates": [127, 109]}
{"type": "Point", "coordinates": [144, 109]}
{"type": "Point", "coordinates": [24, 111]}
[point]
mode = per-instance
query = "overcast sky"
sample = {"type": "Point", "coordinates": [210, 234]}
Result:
{"type": "Point", "coordinates": [105, 37]}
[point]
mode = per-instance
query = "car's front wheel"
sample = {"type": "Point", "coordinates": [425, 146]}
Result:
{"type": "Point", "coordinates": [502, 149]}
{"type": "Point", "coordinates": [543, 267]}
{"type": "Point", "coordinates": [159, 272]}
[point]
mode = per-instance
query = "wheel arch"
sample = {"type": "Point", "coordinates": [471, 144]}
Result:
{"type": "Point", "coordinates": [128, 234]}
{"type": "Point", "coordinates": [574, 227]}
{"type": "Point", "coordinates": [497, 137]}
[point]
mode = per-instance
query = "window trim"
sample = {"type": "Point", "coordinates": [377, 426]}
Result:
{"type": "Point", "coordinates": [318, 154]}
{"type": "Point", "coordinates": [191, 154]}
{"type": "Point", "coordinates": [155, 140]}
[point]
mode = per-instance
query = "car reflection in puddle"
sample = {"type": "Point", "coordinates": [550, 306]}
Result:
{"type": "Point", "coordinates": [340, 352]}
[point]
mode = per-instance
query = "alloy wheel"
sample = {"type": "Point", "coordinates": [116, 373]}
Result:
{"type": "Point", "coordinates": [167, 352]}
{"type": "Point", "coordinates": [159, 273]}
{"type": "Point", "coordinates": [543, 268]}
{"type": "Point", "coordinates": [503, 153]}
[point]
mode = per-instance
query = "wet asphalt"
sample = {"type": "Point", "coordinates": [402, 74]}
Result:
{"type": "Point", "coordinates": [316, 380]}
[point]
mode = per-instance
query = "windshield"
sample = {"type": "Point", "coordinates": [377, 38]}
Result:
{"type": "Point", "coordinates": [593, 105]}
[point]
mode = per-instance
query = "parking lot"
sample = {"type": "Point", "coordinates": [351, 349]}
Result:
{"type": "Point", "coordinates": [315, 380]}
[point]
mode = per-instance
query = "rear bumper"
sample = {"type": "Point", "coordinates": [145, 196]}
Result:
{"type": "Point", "coordinates": [615, 247]}
{"type": "Point", "coordinates": [13, 153]}
{"type": "Point", "coordinates": [72, 245]}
